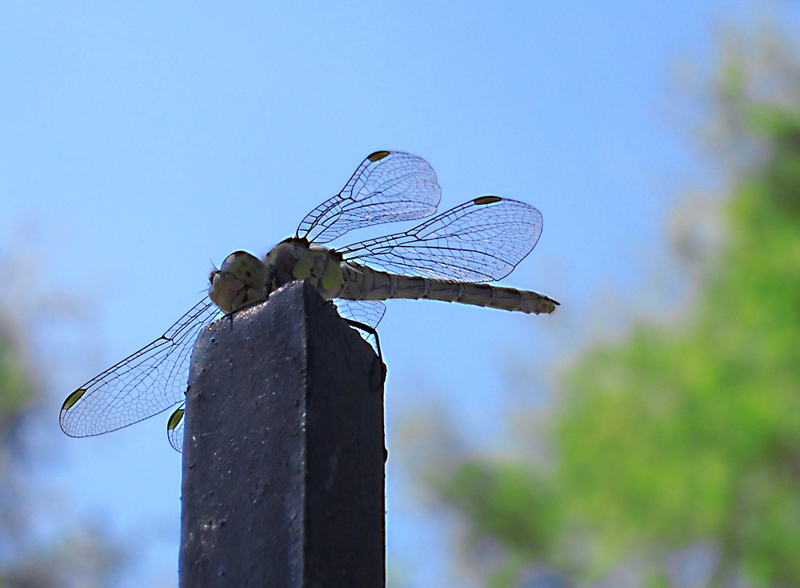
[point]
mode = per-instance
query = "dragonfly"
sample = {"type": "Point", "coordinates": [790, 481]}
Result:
{"type": "Point", "coordinates": [449, 257]}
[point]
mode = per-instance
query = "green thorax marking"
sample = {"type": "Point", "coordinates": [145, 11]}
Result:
{"type": "Point", "coordinates": [321, 266]}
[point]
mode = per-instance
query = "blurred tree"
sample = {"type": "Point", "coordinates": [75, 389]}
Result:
{"type": "Point", "coordinates": [686, 434]}
{"type": "Point", "coordinates": [86, 557]}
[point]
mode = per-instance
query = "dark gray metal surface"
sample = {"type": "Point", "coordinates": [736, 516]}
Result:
{"type": "Point", "coordinates": [283, 458]}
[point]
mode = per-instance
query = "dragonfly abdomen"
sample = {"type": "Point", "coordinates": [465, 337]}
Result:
{"type": "Point", "coordinates": [363, 283]}
{"type": "Point", "coordinates": [487, 295]}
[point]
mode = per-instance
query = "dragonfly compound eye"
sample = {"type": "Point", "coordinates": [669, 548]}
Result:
{"type": "Point", "coordinates": [246, 268]}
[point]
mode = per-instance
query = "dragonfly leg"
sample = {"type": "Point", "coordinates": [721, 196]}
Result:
{"type": "Point", "coordinates": [371, 330]}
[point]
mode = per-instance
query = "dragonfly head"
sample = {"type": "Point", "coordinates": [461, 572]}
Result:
{"type": "Point", "coordinates": [241, 280]}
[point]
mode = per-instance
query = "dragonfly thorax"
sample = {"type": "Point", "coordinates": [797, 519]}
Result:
{"type": "Point", "coordinates": [243, 278]}
{"type": "Point", "coordinates": [293, 259]}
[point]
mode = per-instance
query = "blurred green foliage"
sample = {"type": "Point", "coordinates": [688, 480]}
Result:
{"type": "Point", "coordinates": [15, 389]}
{"type": "Point", "coordinates": [508, 500]}
{"type": "Point", "coordinates": [687, 432]}
{"type": "Point", "coordinates": [83, 555]}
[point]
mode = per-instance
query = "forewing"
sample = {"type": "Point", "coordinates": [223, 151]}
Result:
{"type": "Point", "coordinates": [140, 386]}
{"type": "Point", "coordinates": [480, 241]}
{"type": "Point", "coordinates": [388, 186]}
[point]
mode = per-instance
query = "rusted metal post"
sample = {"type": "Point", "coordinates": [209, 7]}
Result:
{"type": "Point", "coordinates": [283, 459]}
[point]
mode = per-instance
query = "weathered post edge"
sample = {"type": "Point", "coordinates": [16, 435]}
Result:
{"type": "Point", "coordinates": [283, 457]}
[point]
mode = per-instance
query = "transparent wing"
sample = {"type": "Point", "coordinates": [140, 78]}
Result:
{"type": "Point", "coordinates": [388, 186]}
{"type": "Point", "coordinates": [369, 312]}
{"type": "Point", "coordinates": [175, 428]}
{"type": "Point", "coordinates": [140, 386]}
{"type": "Point", "coordinates": [480, 241]}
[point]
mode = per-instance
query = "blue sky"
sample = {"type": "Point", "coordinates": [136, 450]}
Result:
{"type": "Point", "coordinates": [141, 143]}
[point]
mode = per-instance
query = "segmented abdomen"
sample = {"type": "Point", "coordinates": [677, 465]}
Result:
{"type": "Point", "coordinates": [364, 283]}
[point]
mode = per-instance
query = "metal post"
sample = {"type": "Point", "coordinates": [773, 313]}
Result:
{"type": "Point", "coordinates": [283, 459]}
